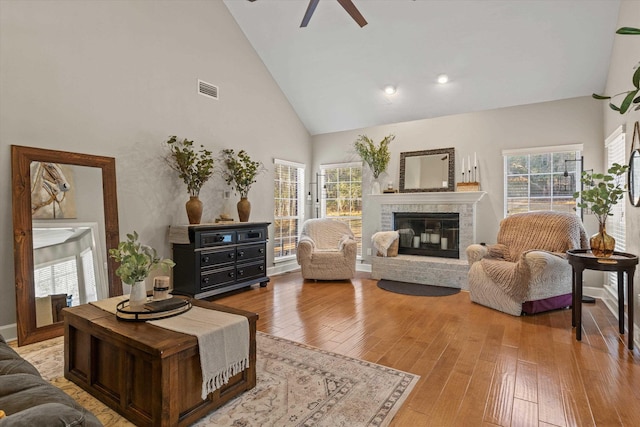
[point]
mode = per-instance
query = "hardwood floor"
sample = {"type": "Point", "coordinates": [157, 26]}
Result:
{"type": "Point", "coordinates": [478, 367]}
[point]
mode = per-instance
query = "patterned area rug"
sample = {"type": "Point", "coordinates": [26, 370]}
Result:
{"type": "Point", "coordinates": [297, 386]}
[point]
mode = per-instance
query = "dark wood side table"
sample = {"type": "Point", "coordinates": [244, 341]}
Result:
{"type": "Point", "coordinates": [620, 262]}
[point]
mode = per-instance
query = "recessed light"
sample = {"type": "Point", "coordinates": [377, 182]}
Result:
{"type": "Point", "coordinates": [443, 78]}
{"type": "Point", "coordinates": [389, 90]}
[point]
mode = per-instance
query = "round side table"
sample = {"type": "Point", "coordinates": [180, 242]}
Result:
{"type": "Point", "coordinates": [620, 262]}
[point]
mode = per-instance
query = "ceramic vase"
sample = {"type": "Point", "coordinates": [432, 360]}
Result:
{"type": "Point", "coordinates": [375, 187]}
{"type": "Point", "coordinates": [602, 244]}
{"type": "Point", "coordinates": [138, 295]}
{"type": "Point", "coordinates": [194, 210]}
{"type": "Point", "coordinates": [244, 209]}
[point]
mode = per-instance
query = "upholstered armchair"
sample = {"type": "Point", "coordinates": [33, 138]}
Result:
{"type": "Point", "coordinates": [526, 271]}
{"type": "Point", "coordinates": [327, 250]}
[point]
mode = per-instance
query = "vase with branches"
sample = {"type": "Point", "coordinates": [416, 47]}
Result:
{"type": "Point", "coordinates": [194, 168]}
{"type": "Point", "coordinates": [240, 172]}
{"type": "Point", "coordinates": [604, 190]}
{"type": "Point", "coordinates": [376, 156]}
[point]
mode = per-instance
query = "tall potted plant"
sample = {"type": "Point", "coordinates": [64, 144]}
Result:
{"type": "Point", "coordinates": [603, 192]}
{"type": "Point", "coordinates": [377, 157]}
{"type": "Point", "coordinates": [195, 168]}
{"type": "Point", "coordinates": [136, 262]}
{"type": "Point", "coordinates": [241, 174]}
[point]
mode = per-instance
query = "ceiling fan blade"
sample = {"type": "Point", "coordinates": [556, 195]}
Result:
{"type": "Point", "coordinates": [307, 15]}
{"type": "Point", "coordinates": [353, 11]}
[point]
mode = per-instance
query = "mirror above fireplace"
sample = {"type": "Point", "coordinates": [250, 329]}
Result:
{"type": "Point", "coordinates": [427, 170]}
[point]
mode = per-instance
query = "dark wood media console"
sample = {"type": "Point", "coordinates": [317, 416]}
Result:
{"type": "Point", "coordinates": [220, 258]}
{"type": "Point", "coordinates": [149, 375]}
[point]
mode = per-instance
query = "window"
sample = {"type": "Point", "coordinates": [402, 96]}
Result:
{"type": "Point", "coordinates": [289, 208]}
{"type": "Point", "coordinates": [542, 178]}
{"type": "Point", "coordinates": [342, 195]}
{"type": "Point", "coordinates": [615, 146]}
{"type": "Point", "coordinates": [58, 278]}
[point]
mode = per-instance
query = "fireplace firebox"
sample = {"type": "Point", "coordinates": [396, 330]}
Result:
{"type": "Point", "coordinates": [428, 234]}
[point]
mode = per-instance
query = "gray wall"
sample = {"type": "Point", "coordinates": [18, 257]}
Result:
{"type": "Point", "coordinates": [117, 78]}
{"type": "Point", "coordinates": [487, 133]}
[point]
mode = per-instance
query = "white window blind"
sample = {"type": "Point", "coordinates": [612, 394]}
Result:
{"type": "Point", "coordinates": [615, 146]}
{"type": "Point", "coordinates": [57, 278]}
{"type": "Point", "coordinates": [289, 208]}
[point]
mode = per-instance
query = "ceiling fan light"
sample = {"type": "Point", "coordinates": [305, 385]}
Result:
{"type": "Point", "coordinates": [389, 90]}
{"type": "Point", "coordinates": [443, 78]}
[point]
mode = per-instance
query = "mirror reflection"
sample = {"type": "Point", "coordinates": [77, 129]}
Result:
{"type": "Point", "coordinates": [427, 170]}
{"type": "Point", "coordinates": [634, 178]}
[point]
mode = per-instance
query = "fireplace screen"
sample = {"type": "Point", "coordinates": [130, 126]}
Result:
{"type": "Point", "coordinates": [428, 234]}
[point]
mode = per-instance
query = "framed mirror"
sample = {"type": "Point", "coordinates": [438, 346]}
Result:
{"type": "Point", "coordinates": [427, 170]}
{"type": "Point", "coordinates": [633, 179]}
{"type": "Point", "coordinates": [60, 229]}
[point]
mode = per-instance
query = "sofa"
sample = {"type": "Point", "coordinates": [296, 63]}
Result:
{"type": "Point", "coordinates": [28, 400]}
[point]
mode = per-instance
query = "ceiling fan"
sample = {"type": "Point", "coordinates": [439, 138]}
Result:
{"type": "Point", "coordinates": [346, 4]}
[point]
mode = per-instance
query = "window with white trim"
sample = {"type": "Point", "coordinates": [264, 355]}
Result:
{"type": "Point", "coordinates": [615, 149]}
{"type": "Point", "coordinates": [342, 195]}
{"type": "Point", "coordinates": [60, 277]}
{"type": "Point", "coordinates": [289, 208]}
{"type": "Point", "coordinates": [542, 178]}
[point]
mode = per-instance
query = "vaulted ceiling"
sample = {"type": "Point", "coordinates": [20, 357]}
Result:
{"type": "Point", "coordinates": [497, 53]}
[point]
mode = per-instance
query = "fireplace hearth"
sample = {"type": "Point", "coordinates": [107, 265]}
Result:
{"type": "Point", "coordinates": [428, 234]}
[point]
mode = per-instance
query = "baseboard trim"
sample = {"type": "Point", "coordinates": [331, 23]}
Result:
{"type": "Point", "coordinates": [9, 332]}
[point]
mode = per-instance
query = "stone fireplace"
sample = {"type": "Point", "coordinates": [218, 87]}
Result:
{"type": "Point", "coordinates": [443, 268]}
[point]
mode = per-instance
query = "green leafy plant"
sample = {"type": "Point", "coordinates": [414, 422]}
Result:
{"type": "Point", "coordinates": [194, 168]}
{"type": "Point", "coordinates": [604, 191]}
{"type": "Point", "coordinates": [631, 97]}
{"type": "Point", "coordinates": [137, 260]}
{"type": "Point", "coordinates": [240, 170]}
{"type": "Point", "coordinates": [376, 156]}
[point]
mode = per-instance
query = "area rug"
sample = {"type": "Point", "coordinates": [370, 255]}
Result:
{"type": "Point", "coordinates": [297, 385]}
{"type": "Point", "coordinates": [416, 289]}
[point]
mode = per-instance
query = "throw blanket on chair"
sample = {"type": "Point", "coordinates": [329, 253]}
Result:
{"type": "Point", "coordinates": [520, 233]}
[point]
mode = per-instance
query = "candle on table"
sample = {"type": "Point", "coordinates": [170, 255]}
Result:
{"type": "Point", "coordinates": [475, 160]}
{"type": "Point", "coordinates": [463, 165]}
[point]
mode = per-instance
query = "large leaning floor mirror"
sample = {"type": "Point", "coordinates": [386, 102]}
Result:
{"type": "Point", "coordinates": [65, 219]}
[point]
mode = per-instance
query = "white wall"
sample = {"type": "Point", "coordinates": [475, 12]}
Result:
{"type": "Point", "coordinates": [625, 56]}
{"type": "Point", "coordinates": [117, 79]}
{"type": "Point", "coordinates": [487, 133]}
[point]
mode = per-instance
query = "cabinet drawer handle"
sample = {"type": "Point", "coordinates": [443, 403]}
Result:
{"type": "Point", "coordinates": [261, 250]}
{"type": "Point", "coordinates": [205, 280]}
{"type": "Point", "coordinates": [240, 272]}
{"type": "Point", "coordinates": [205, 259]}
{"type": "Point", "coordinates": [261, 268]}
{"type": "Point", "coordinates": [231, 255]}
{"type": "Point", "coordinates": [240, 253]}
{"type": "Point", "coordinates": [231, 274]}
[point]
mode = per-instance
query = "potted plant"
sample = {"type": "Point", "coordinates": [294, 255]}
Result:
{"type": "Point", "coordinates": [375, 156]}
{"type": "Point", "coordinates": [631, 97]}
{"type": "Point", "coordinates": [195, 168]}
{"type": "Point", "coordinates": [136, 262]}
{"type": "Point", "coordinates": [604, 191]}
{"type": "Point", "coordinates": [241, 174]}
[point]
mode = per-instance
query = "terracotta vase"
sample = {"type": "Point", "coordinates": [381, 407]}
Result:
{"type": "Point", "coordinates": [602, 244]}
{"type": "Point", "coordinates": [194, 210]}
{"type": "Point", "coordinates": [138, 295]}
{"type": "Point", "coordinates": [244, 209]}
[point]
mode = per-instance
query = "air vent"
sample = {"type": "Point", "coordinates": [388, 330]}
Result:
{"type": "Point", "coordinates": [207, 89]}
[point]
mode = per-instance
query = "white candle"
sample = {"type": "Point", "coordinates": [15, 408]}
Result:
{"type": "Point", "coordinates": [463, 165]}
{"type": "Point", "coordinates": [475, 160]}
{"type": "Point", "coordinates": [443, 243]}
{"type": "Point", "coordinates": [469, 160]}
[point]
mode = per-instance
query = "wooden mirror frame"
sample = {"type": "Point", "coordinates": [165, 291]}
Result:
{"type": "Point", "coordinates": [451, 169]}
{"type": "Point", "coordinates": [21, 158]}
{"type": "Point", "coordinates": [633, 184]}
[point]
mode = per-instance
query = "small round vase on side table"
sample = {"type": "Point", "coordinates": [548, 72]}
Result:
{"type": "Point", "coordinates": [619, 262]}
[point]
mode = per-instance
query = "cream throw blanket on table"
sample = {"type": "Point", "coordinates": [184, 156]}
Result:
{"type": "Point", "coordinates": [223, 339]}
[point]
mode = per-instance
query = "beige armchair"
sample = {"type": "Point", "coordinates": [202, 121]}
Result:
{"type": "Point", "coordinates": [327, 250]}
{"type": "Point", "coordinates": [526, 271]}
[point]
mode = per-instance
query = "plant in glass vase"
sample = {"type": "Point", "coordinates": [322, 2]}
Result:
{"type": "Point", "coordinates": [136, 262]}
{"type": "Point", "coordinates": [241, 174]}
{"type": "Point", "coordinates": [194, 168]}
{"type": "Point", "coordinates": [603, 192]}
{"type": "Point", "coordinates": [377, 157]}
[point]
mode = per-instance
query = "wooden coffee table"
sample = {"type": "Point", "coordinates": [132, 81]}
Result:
{"type": "Point", "coordinates": [148, 374]}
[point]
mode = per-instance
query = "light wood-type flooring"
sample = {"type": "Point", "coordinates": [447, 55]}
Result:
{"type": "Point", "coordinates": [478, 367]}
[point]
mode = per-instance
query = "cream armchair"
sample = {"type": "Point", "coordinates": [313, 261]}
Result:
{"type": "Point", "coordinates": [526, 271]}
{"type": "Point", "coordinates": [327, 250]}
